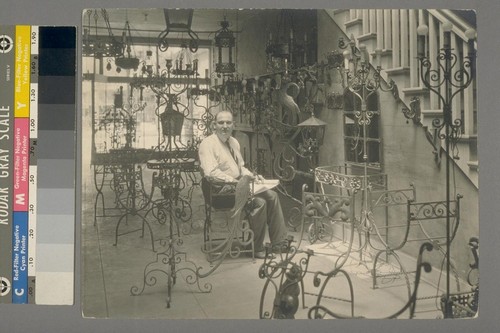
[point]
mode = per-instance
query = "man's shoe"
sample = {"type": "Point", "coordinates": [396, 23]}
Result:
{"type": "Point", "coordinates": [260, 255]}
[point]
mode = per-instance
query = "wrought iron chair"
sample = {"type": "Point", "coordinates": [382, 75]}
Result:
{"type": "Point", "coordinates": [387, 238]}
{"type": "Point", "coordinates": [228, 236]}
{"type": "Point", "coordinates": [425, 222]}
{"type": "Point", "coordinates": [320, 310]}
{"type": "Point", "coordinates": [428, 224]}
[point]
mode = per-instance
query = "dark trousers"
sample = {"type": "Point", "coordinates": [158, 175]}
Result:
{"type": "Point", "coordinates": [266, 210]}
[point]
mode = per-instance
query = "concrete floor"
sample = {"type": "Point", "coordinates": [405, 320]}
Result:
{"type": "Point", "coordinates": [109, 273]}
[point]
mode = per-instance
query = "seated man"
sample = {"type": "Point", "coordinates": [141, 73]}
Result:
{"type": "Point", "coordinates": [221, 159]}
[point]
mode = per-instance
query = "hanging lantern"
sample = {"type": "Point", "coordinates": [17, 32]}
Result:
{"type": "Point", "coordinates": [171, 120]}
{"type": "Point", "coordinates": [225, 49]}
{"type": "Point", "coordinates": [178, 20]}
{"type": "Point", "coordinates": [313, 133]}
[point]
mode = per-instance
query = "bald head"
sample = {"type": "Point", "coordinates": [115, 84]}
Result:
{"type": "Point", "coordinates": [223, 113]}
{"type": "Point", "coordinates": [224, 125]}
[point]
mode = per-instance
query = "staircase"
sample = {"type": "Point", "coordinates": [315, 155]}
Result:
{"type": "Point", "coordinates": [394, 31]}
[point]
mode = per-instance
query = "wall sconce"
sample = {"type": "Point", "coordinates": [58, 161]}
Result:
{"type": "Point", "coordinates": [147, 64]}
{"type": "Point", "coordinates": [414, 111]}
{"type": "Point", "coordinates": [225, 47]}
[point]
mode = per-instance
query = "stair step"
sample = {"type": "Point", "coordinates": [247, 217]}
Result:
{"type": "Point", "coordinates": [400, 75]}
{"type": "Point", "coordinates": [421, 92]}
{"type": "Point", "coordinates": [415, 91]}
{"type": "Point", "coordinates": [432, 113]}
{"type": "Point", "coordinates": [385, 61]}
{"type": "Point", "coordinates": [353, 22]}
{"type": "Point", "coordinates": [398, 71]}
{"type": "Point", "coordinates": [354, 27]}
{"type": "Point", "coordinates": [338, 11]}
{"type": "Point", "coordinates": [474, 165]}
{"type": "Point", "coordinates": [468, 138]}
{"type": "Point", "coordinates": [369, 39]}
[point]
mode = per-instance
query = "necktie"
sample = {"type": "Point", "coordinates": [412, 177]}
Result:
{"type": "Point", "coordinates": [233, 154]}
{"type": "Point", "coordinates": [231, 150]}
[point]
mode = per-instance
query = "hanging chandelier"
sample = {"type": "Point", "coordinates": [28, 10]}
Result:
{"type": "Point", "coordinates": [126, 60]}
{"type": "Point", "coordinates": [283, 48]}
{"type": "Point", "coordinates": [100, 46]}
{"type": "Point", "coordinates": [184, 63]}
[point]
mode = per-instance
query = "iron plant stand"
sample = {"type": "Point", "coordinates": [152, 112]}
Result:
{"type": "Point", "coordinates": [170, 262]}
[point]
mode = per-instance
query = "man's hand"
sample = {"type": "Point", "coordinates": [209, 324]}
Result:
{"type": "Point", "coordinates": [259, 179]}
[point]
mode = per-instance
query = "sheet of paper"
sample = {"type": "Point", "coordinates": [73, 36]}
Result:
{"type": "Point", "coordinates": [265, 185]}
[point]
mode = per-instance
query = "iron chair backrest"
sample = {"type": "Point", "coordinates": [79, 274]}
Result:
{"type": "Point", "coordinates": [433, 211]}
{"type": "Point", "coordinates": [214, 197]}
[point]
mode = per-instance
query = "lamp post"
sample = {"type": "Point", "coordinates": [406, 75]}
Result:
{"type": "Point", "coordinates": [447, 79]}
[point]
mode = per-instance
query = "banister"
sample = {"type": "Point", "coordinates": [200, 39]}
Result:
{"type": "Point", "coordinates": [460, 26]}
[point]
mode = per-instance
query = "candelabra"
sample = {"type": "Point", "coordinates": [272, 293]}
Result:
{"type": "Point", "coordinates": [362, 81]}
{"type": "Point", "coordinates": [122, 117]}
{"type": "Point", "coordinates": [117, 122]}
{"type": "Point", "coordinates": [174, 79]}
{"type": "Point", "coordinates": [168, 84]}
{"type": "Point", "coordinates": [449, 76]}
